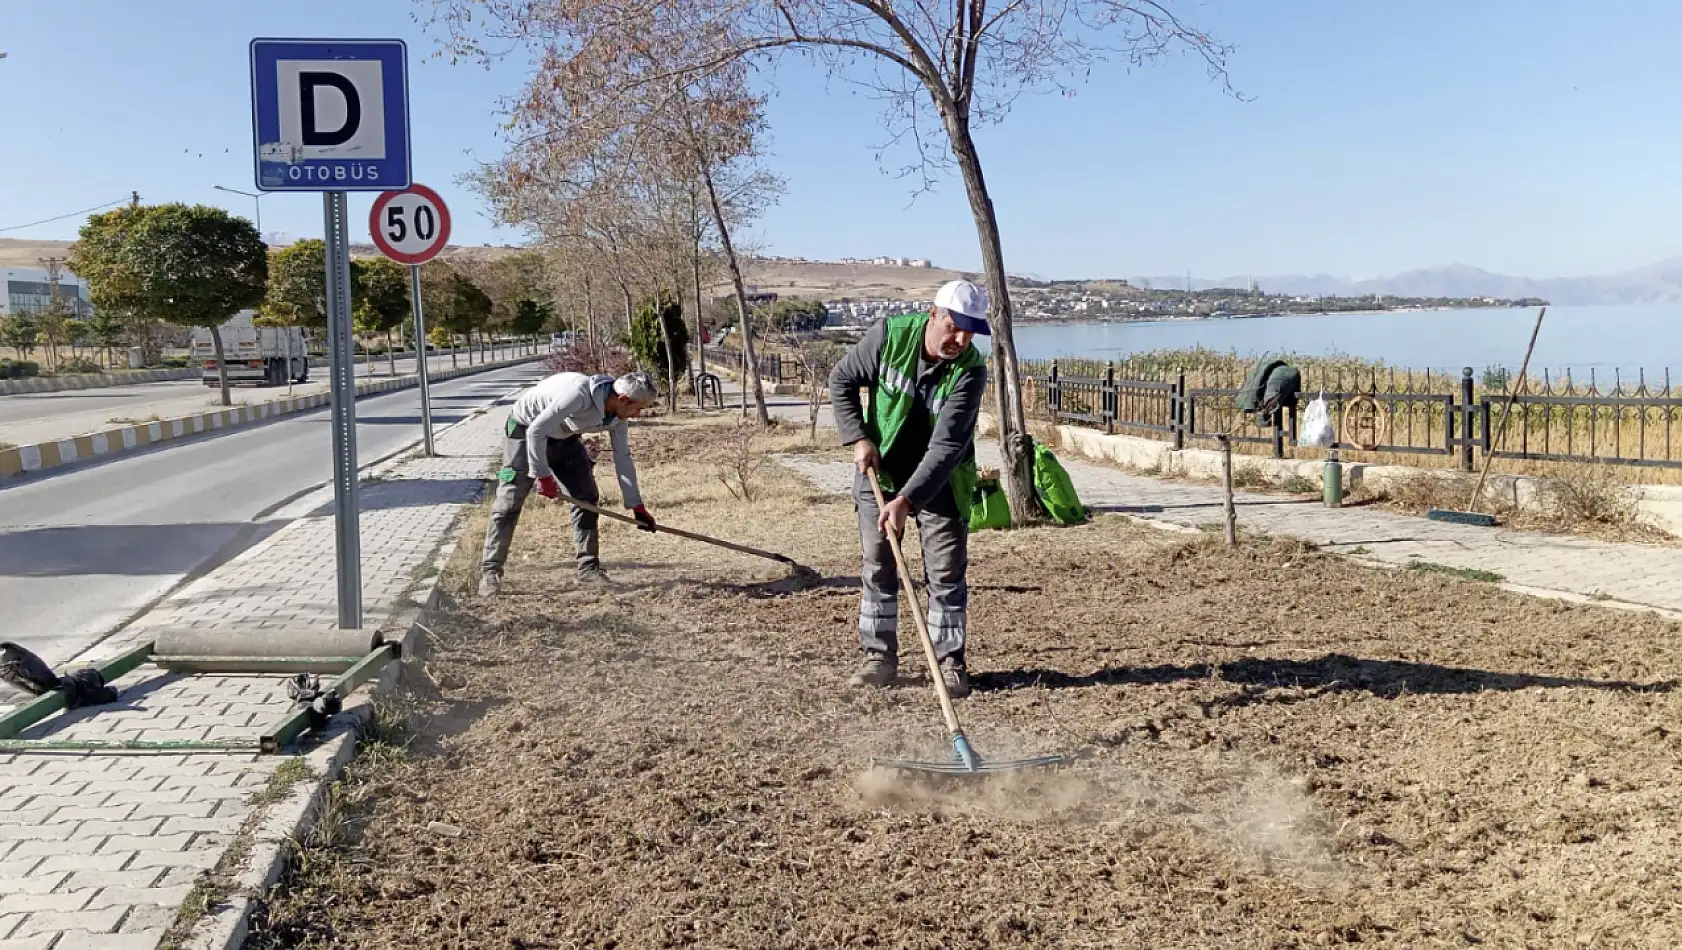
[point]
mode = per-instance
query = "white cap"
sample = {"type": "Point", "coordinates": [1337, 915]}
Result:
{"type": "Point", "coordinates": [966, 302]}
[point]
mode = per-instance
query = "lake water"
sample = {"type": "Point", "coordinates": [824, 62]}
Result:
{"type": "Point", "coordinates": [1579, 338]}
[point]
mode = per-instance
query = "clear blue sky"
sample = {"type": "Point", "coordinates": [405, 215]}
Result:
{"type": "Point", "coordinates": [1533, 137]}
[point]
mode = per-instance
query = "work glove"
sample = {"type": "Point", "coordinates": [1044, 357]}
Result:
{"type": "Point", "coordinates": [645, 521]}
{"type": "Point", "coordinates": [549, 487]}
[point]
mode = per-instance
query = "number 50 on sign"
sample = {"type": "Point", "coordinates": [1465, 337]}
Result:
{"type": "Point", "coordinates": [410, 226]}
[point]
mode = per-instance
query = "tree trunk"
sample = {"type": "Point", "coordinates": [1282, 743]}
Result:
{"type": "Point", "coordinates": [221, 365]}
{"type": "Point", "coordinates": [1014, 441]}
{"type": "Point", "coordinates": [454, 363]}
{"type": "Point", "coordinates": [590, 320]}
{"type": "Point", "coordinates": [750, 368]}
{"type": "Point", "coordinates": [700, 317]}
{"type": "Point", "coordinates": [671, 361]}
{"type": "Point", "coordinates": [1229, 512]}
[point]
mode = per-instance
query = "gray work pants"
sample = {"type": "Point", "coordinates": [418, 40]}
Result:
{"type": "Point", "coordinates": [572, 466]}
{"type": "Point", "coordinates": [945, 538]}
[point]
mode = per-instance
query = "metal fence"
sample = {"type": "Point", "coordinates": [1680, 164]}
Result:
{"type": "Point", "coordinates": [773, 367]}
{"type": "Point", "coordinates": [1383, 412]}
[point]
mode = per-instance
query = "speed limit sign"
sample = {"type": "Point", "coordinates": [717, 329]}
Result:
{"type": "Point", "coordinates": [410, 226]}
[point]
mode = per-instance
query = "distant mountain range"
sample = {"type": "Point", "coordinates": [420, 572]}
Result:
{"type": "Point", "coordinates": [1656, 283]}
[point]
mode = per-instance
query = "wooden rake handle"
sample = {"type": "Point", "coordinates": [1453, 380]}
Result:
{"type": "Point", "coordinates": [946, 710]}
{"type": "Point", "coordinates": [768, 555]}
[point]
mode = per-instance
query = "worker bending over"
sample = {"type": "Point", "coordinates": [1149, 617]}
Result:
{"type": "Point", "coordinates": [545, 448]}
{"type": "Point", "coordinates": [925, 379]}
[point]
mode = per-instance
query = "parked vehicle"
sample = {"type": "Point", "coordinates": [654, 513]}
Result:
{"type": "Point", "coordinates": [261, 356]}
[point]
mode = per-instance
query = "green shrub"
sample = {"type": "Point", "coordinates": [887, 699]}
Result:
{"type": "Point", "coordinates": [19, 369]}
{"type": "Point", "coordinates": [647, 342]}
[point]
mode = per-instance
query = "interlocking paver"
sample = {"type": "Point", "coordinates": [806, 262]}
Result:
{"type": "Point", "coordinates": [98, 851]}
{"type": "Point", "coordinates": [101, 921]}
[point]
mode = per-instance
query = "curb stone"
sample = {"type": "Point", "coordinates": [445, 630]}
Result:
{"type": "Point", "coordinates": [40, 456]}
{"type": "Point", "coordinates": [285, 825]}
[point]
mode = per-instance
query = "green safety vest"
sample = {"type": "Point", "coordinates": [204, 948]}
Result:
{"type": "Point", "coordinates": [895, 393]}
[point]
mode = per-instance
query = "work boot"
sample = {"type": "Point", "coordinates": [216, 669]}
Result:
{"type": "Point", "coordinates": [952, 671]}
{"type": "Point", "coordinates": [878, 669]}
{"type": "Point", "coordinates": [593, 577]}
{"type": "Point", "coordinates": [490, 584]}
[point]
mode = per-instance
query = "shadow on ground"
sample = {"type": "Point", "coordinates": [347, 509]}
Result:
{"type": "Point", "coordinates": [1334, 672]}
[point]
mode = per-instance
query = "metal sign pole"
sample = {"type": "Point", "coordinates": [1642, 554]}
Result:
{"type": "Point", "coordinates": [343, 374]}
{"type": "Point", "coordinates": [420, 356]}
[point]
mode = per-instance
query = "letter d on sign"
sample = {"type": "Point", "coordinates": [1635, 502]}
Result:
{"type": "Point", "coordinates": [309, 86]}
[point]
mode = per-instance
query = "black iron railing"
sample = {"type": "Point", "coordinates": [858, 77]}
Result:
{"type": "Point", "coordinates": [1400, 413]}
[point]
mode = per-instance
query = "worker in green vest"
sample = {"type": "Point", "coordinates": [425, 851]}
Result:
{"type": "Point", "coordinates": [925, 379]}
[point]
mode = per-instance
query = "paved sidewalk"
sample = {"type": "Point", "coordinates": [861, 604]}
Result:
{"type": "Point", "coordinates": [1648, 575]}
{"type": "Point", "coordinates": [100, 850]}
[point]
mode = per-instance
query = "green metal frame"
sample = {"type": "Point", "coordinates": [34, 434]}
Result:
{"type": "Point", "coordinates": [120, 745]}
{"type": "Point", "coordinates": [296, 723]}
{"type": "Point", "coordinates": [351, 672]}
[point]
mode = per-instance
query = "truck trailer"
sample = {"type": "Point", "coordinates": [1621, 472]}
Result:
{"type": "Point", "coordinates": [259, 356]}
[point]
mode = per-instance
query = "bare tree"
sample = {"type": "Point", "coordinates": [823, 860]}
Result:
{"type": "Point", "coordinates": [940, 68]}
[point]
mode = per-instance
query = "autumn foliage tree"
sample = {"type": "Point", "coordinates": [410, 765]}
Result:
{"type": "Point", "coordinates": [941, 69]}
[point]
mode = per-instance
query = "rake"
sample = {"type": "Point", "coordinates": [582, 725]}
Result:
{"type": "Point", "coordinates": [795, 567]}
{"type": "Point", "coordinates": [965, 761]}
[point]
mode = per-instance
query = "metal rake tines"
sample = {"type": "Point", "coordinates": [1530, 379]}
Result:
{"type": "Point", "coordinates": [954, 767]}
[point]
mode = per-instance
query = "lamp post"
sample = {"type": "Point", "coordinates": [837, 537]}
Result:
{"type": "Point", "coordinates": [256, 199]}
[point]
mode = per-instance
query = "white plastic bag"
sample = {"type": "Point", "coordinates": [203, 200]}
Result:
{"type": "Point", "coordinates": [1317, 431]}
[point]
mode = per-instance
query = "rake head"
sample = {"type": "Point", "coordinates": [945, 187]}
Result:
{"type": "Point", "coordinates": [965, 762]}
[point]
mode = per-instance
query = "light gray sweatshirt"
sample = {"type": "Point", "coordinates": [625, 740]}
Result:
{"type": "Point", "coordinates": [572, 404]}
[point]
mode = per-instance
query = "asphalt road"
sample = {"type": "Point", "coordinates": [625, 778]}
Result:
{"type": "Point", "coordinates": [26, 418]}
{"type": "Point", "coordinates": [87, 548]}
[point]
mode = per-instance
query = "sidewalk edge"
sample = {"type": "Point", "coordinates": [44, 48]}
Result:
{"type": "Point", "coordinates": [287, 824]}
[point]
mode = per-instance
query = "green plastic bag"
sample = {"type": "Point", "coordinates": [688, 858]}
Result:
{"type": "Point", "coordinates": [1055, 489]}
{"type": "Point", "coordinates": [989, 508]}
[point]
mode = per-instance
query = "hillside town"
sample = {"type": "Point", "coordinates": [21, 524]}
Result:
{"type": "Point", "coordinates": [1118, 301]}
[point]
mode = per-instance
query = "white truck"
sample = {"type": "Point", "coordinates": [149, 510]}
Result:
{"type": "Point", "coordinates": [264, 356]}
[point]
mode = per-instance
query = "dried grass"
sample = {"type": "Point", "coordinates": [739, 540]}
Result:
{"type": "Point", "coordinates": [1591, 494]}
{"type": "Point", "coordinates": [676, 762]}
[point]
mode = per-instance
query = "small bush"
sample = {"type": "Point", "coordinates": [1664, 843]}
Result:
{"type": "Point", "coordinates": [78, 365]}
{"type": "Point", "coordinates": [1593, 494]}
{"type": "Point", "coordinates": [1248, 476]}
{"type": "Point", "coordinates": [648, 342]}
{"type": "Point", "coordinates": [736, 460]}
{"type": "Point", "coordinates": [1297, 485]}
{"type": "Point", "coordinates": [1424, 491]}
{"type": "Point", "coordinates": [19, 369]}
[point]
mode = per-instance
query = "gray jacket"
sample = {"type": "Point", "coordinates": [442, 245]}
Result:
{"type": "Point", "coordinates": [952, 439]}
{"type": "Point", "coordinates": [572, 404]}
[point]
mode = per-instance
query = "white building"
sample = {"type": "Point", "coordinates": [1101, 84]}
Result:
{"type": "Point", "coordinates": [31, 289]}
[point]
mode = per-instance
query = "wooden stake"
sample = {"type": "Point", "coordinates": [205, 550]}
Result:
{"type": "Point", "coordinates": [1230, 511]}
